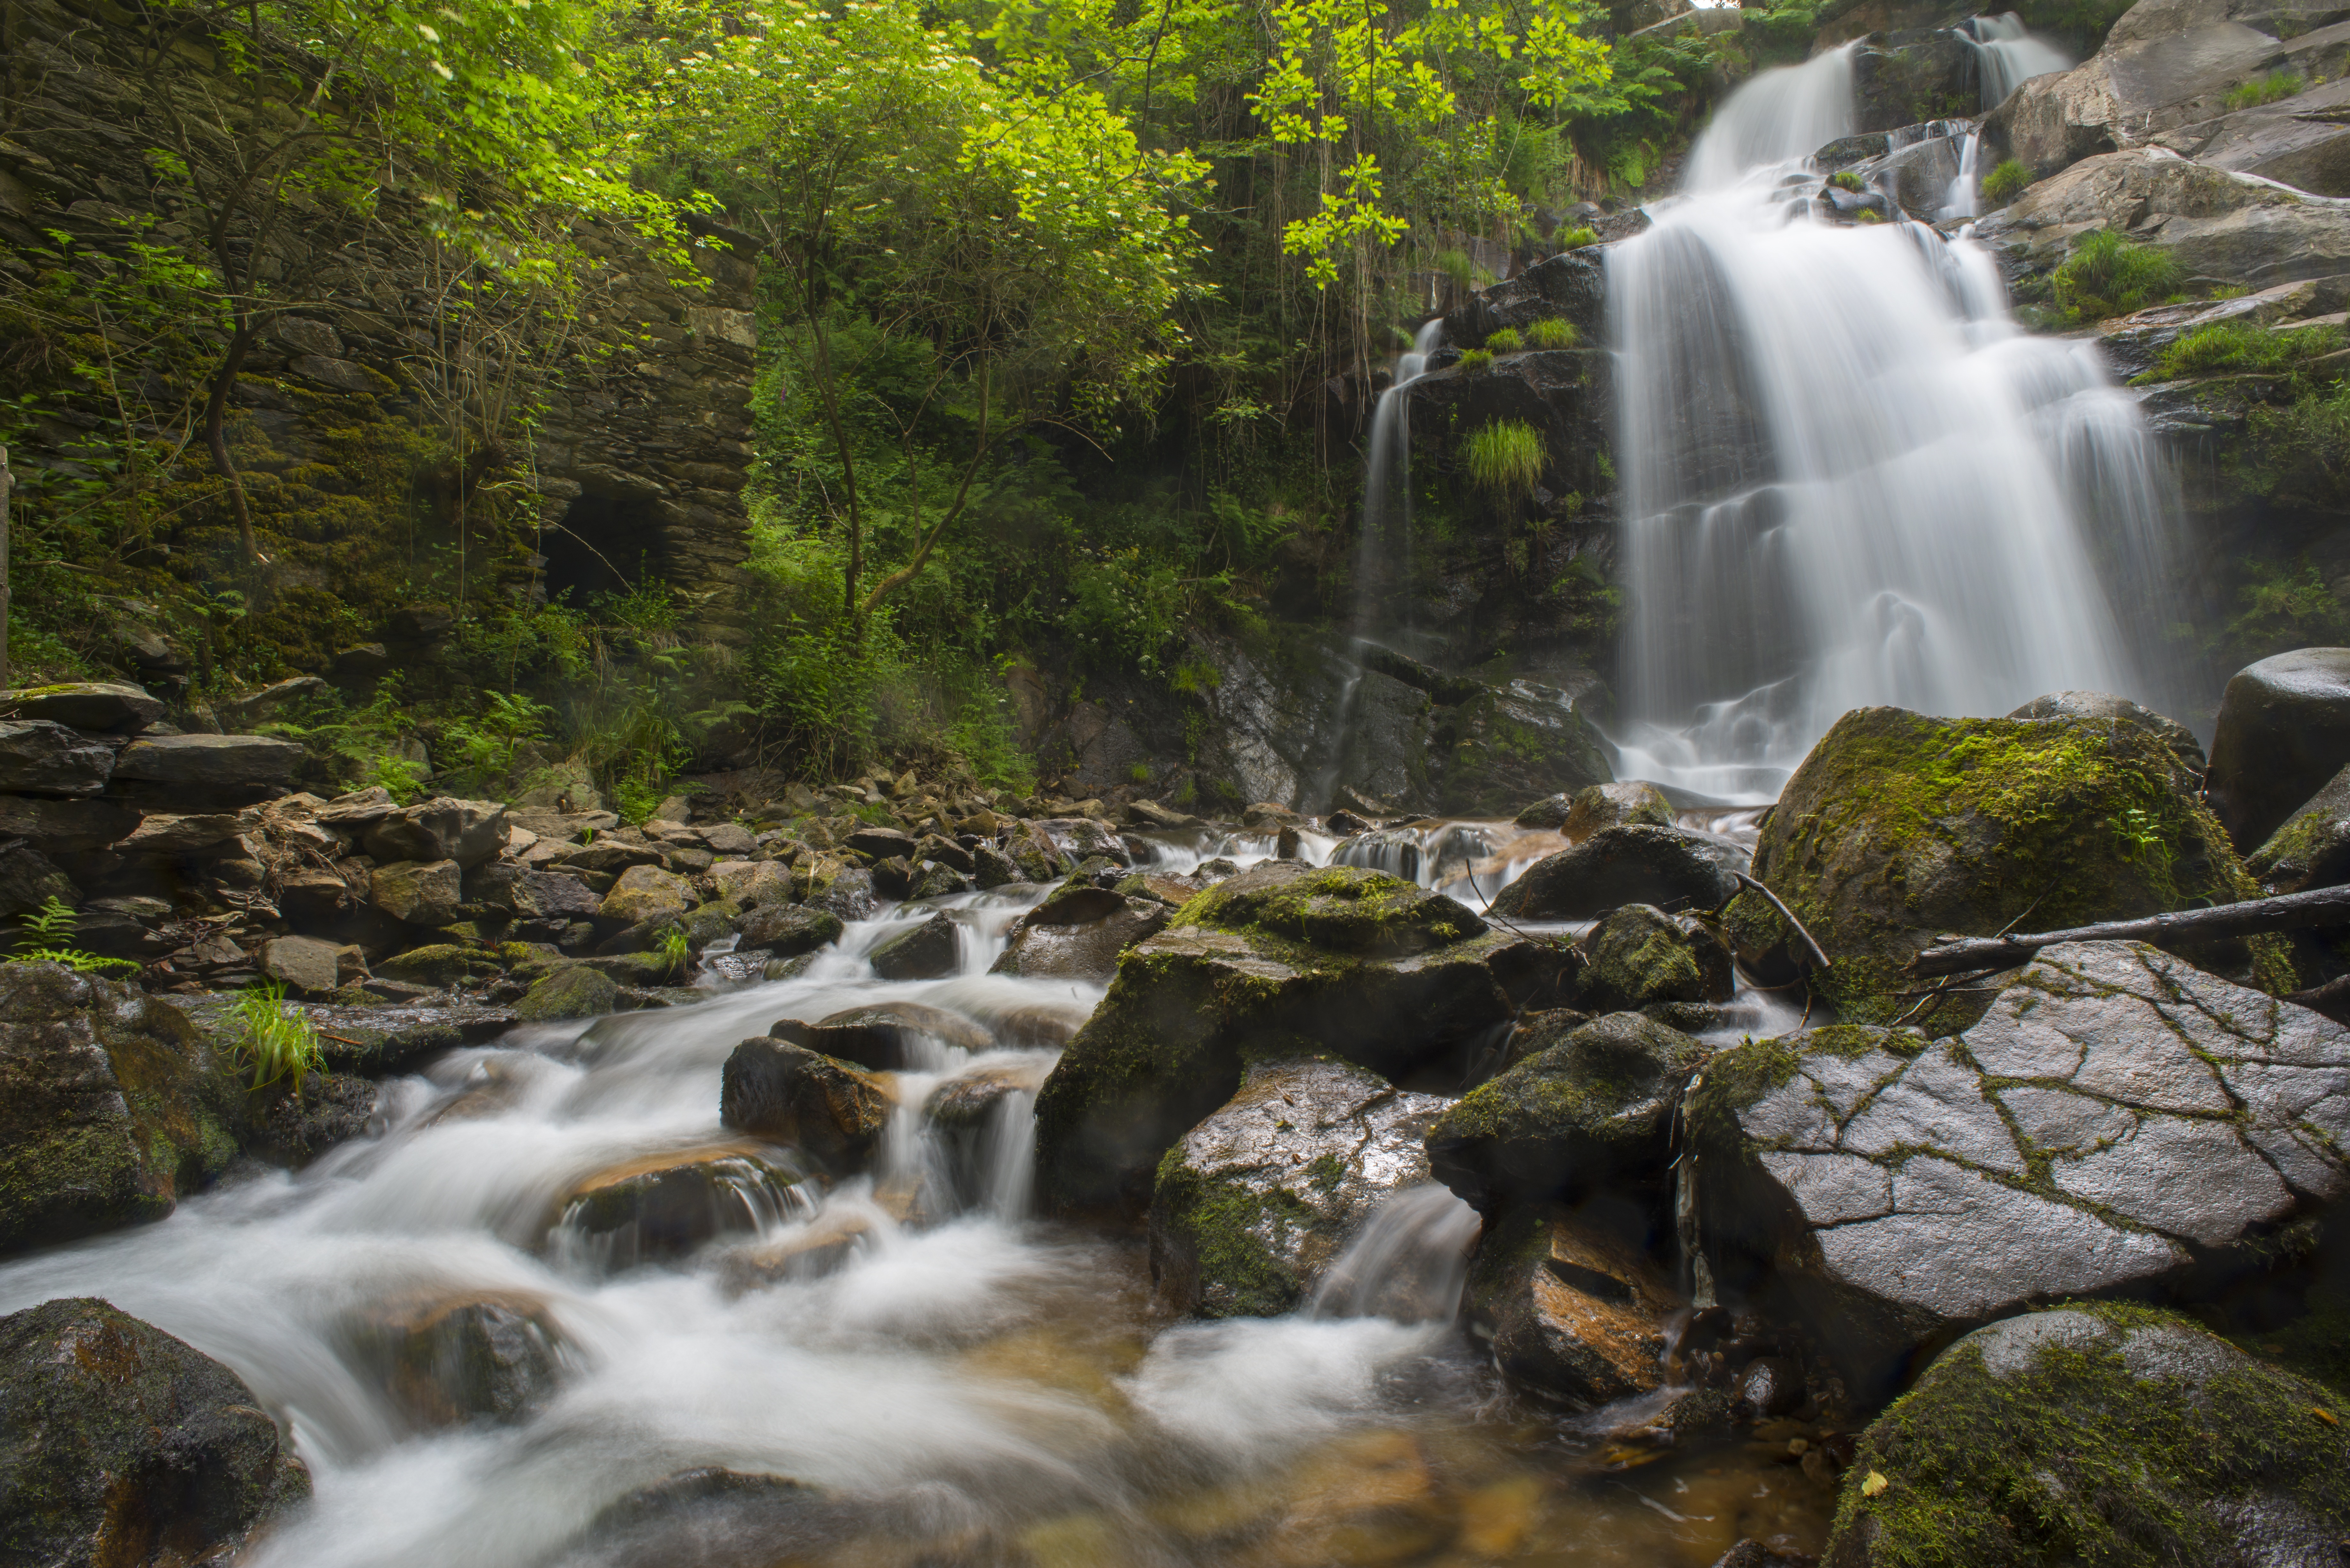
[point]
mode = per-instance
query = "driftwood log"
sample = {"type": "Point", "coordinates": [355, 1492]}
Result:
{"type": "Point", "coordinates": [2292, 911]}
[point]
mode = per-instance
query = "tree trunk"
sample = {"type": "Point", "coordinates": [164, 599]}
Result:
{"type": "Point", "coordinates": [2293, 911]}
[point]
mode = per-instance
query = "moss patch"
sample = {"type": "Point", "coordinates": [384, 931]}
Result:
{"type": "Point", "coordinates": [1239, 1238]}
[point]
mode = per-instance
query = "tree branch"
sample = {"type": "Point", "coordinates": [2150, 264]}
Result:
{"type": "Point", "coordinates": [2292, 911]}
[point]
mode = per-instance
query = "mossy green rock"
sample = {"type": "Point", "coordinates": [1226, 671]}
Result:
{"type": "Point", "coordinates": [1594, 1109]}
{"type": "Point", "coordinates": [443, 964]}
{"type": "Point", "coordinates": [2312, 848]}
{"type": "Point", "coordinates": [579, 993]}
{"type": "Point", "coordinates": [122, 1444]}
{"type": "Point", "coordinates": [1900, 828]}
{"type": "Point", "coordinates": [112, 1106]}
{"type": "Point", "coordinates": [1641, 955]}
{"type": "Point", "coordinates": [1239, 971]}
{"type": "Point", "coordinates": [2105, 1433]}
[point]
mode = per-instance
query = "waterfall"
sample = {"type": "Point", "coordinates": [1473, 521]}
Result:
{"type": "Point", "coordinates": [1778, 117]}
{"type": "Point", "coordinates": [1848, 478]}
{"type": "Point", "coordinates": [2006, 56]}
{"type": "Point", "coordinates": [1387, 478]}
{"type": "Point", "coordinates": [1960, 203]}
{"type": "Point", "coordinates": [1407, 1262]}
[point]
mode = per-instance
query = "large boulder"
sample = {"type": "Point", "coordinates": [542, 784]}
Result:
{"type": "Point", "coordinates": [647, 893]}
{"type": "Point", "coordinates": [304, 965]}
{"type": "Point", "coordinates": [1907, 78]}
{"type": "Point", "coordinates": [1898, 827]}
{"type": "Point", "coordinates": [2106, 705]}
{"type": "Point", "coordinates": [119, 1444]}
{"type": "Point", "coordinates": [787, 930]}
{"type": "Point", "coordinates": [443, 828]}
{"type": "Point", "coordinates": [64, 827]}
{"type": "Point", "coordinates": [829, 1109]}
{"type": "Point", "coordinates": [2098, 1432]}
{"type": "Point", "coordinates": [1593, 1110]}
{"type": "Point", "coordinates": [1639, 955]}
{"type": "Point", "coordinates": [207, 769]}
{"type": "Point", "coordinates": [2115, 1119]}
{"type": "Point", "coordinates": [1251, 1206]}
{"type": "Point", "coordinates": [888, 1036]}
{"type": "Point", "coordinates": [448, 1359]}
{"type": "Point", "coordinates": [28, 880]}
{"type": "Point", "coordinates": [1574, 1310]}
{"type": "Point", "coordinates": [419, 893]}
{"type": "Point", "coordinates": [1638, 863]}
{"type": "Point", "coordinates": [112, 1105]}
{"type": "Point", "coordinates": [2283, 732]}
{"type": "Point", "coordinates": [1078, 934]}
{"type": "Point", "coordinates": [1284, 956]}
{"type": "Point", "coordinates": [924, 950]}
{"type": "Point", "coordinates": [111, 706]}
{"type": "Point", "coordinates": [2312, 849]}
{"type": "Point", "coordinates": [579, 992]}
{"type": "Point", "coordinates": [37, 757]}
{"type": "Point", "coordinates": [665, 1205]}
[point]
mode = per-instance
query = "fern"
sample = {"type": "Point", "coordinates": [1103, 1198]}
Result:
{"type": "Point", "coordinates": [47, 937]}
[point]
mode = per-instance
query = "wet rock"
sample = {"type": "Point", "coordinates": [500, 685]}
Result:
{"type": "Point", "coordinates": [294, 1130]}
{"type": "Point", "coordinates": [847, 896]}
{"type": "Point", "coordinates": [882, 843]}
{"type": "Point", "coordinates": [112, 1106]}
{"type": "Point", "coordinates": [1509, 744]}
{"type": "Point", "coordinates": [568, 994]}
{"type": "Point", "coordinates": [829, 1109]}
{"type": "Point", "coordinates": [534, 895]}
{"type": "Point", "coordinates": [1033, 855]}
{"type": "Point", "coordinates": [1572, 287]}
{"type": "Point", "coordinates": [306, 966]}
{"type": "Point", "coordinates": [1253, 1205]}
{"type": "Point", "coordinates": [893, 877]}
{"type": "Point", "coordinates": [1625, 804]}
{"type": "Point", "coordinates": [2106, 705]}
{"type": "Point", "coordinates": [1152, 814]}
{"type": "Point", "coordinates": [1573, 1311]}
{"type": "Point", "coordinates": [439, 965]}
{"type": "Point", "coordinates": [1898, 827]}
{"type": "Point", "coordinates": [126, 1445]}
{"type": "Point", "coordinates": [665, 1205]}
{"type": "Point", "coordinates": [63, 826]}
{"type": "Point", "coordinates": [447, 1360]}
{"type": "Point", "coordinates": [991, 868]}
{"type": "Point", "coordinates": [417, 893]}
{"type": "Point", "coordinates": [1777, 1553]}
{"type": "Point", "coordinates": [2115, 1117]}
{"type": "Point", "coordinates": [647, 893]}
{"type": "Point", "coordinates": [2098, 1429]}
{"type": "Point", "coordinates": [37, 757]}
{"type": "Point", "coordinates": [1595, 1109]}
{"type": "Point", "coordinates": [2312, 848]}
{"type": "Point", "coordinates": [753, 883]}
{"type": "Point", "coordinates": [713, 1518]}
{"type": "Point", "coordinates": [1641, 955]}
{"type": "Point", "coordinates": [933, 880]}
{"type": "Point", "coordinates": [28, 881]}
{"type": "Point", "coordinates": [2283, 732]}
{"type": "Point", "coordinates": [1908, 78]}
{"type": "Point", "coordinates": [466, 831]}
{"type": "Point", "coordinates": [1078, 934]}
{"type": "Point", "coordinates": [168, 838]}
{"type": "Point", "coordinates": [924, 952]}
{"type": "Point", "coordinates": [207, 769]}
{"type": "Point", "coordinates": [891, 1035]}
{"type": "Point", "coordinates": [1284, 956]}
{"type": "Point", "coordinates": [1639, 864]}
{"type": "Point", "coordinates": [114, 707]}
{"type": "Point", "coordinates": [789, 930]}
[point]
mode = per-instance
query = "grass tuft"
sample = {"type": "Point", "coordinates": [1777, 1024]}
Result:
{"type": "Point", "coordinates": [2109, 275]}
{"type": "Point", "coordinates": [1552, 333]}
{"type": "Point", "coordinates": [1506, 459]}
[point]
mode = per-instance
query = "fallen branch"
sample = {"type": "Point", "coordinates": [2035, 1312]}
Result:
{"type": "Point", "coordinates": [1748, 884]}
{"type": "Point", "coordinates": [2293, 911]}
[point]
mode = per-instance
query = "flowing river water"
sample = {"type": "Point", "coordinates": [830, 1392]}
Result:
{"type": "Point", "coordinates": [965, 1383]}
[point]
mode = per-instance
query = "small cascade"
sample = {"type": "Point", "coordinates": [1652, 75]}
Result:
{"type": "Point", "coordinates": [1407, 1262]}
{"type": "Point", "coordinates": [2006, 56]}
{"type": "Point", "coordinates": [1780, 115]}
{"type": "Point", "coordinates": [1962, 200]}
{"type": "Point", "coordinates": [1387, 479]}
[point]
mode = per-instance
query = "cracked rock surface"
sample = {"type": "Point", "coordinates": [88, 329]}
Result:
{"type": "Point", "coordinates": [1256, 1202]}
{"type": "Point", "coordinates": [2116, 1116]}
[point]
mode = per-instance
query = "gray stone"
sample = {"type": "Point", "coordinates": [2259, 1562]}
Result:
{"type": "Point", "coordinates": [829, 1109]}
{"type": "Point", "coordinates": [444, 828]}
{"type": "Point", "coordinates": [1640, 864]}
{"type": "Point", "coordinates": [2312, 849]}
{"type": "Point", "coordinates": [2106, 705]}
{"type": "Point", "coordinates": [38, 757]}
{"type": "Point", "coordinates": [1079, 934]}
{"type": "Point", "coordinates": [926, 952]}
{"type": "Point", "coordinates": [787, 930]}
{"type": "Point", "coordinates": [63, 826]}
{"type": "Point", "coordinates": [579, 992]}
{"type": "Point", "coordinates": [419, 893]}
{"type": "Point", "coordinates": [646, 893]}
{"type": "Point", "coordinates": [114, 706]}
{"type": "Point", "coordinates": [991, 868]}
{"type": "Point", "coordinates": [1253, 1206]}
{"type": "Point", "coordinates": [202, 770]}
{"type": "Point", "coordinates": [306, 966]}
{"type": "Point", "coordinates": [538, 895]}
{"type": "Point", "coordinates": [848, 896]}
{"type": "Point", "coordinates": [28, 881]}
{"type": "Point", "coordinates": [2283, 732]}
{"type": "Point", "coordinates": [162, 835]}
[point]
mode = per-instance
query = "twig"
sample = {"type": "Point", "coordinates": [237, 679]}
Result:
{"type": "Point", "coordinates": [2292, 911]}
{"type": "Point", "coordinates": [1747, 884]}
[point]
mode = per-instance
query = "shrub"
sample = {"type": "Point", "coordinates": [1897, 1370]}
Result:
{"type": "Point", "coordinates": [1476, 362]}
{"type": "Point", "coordinates": [1505, 459]}
{"type": "Point", "coordinates": [278, 1044]}
{"type": "Point", "coordinates": [2240, 346]}
{"type": "Point", "coordinates": [2109, 275]}
{"type": "Point", "coordinates": [2269, 88]}
{"type": "Point", "coordinates": [1577, 237]}
{"type": "Point", "coordinates": [1846, 179]}
{"type": "Point", "coordinates": [2006, 183]}
{"type": "Point", "coordinates": [1505, 341]}
{"type": "Point", "coordinates": [1552, 333]}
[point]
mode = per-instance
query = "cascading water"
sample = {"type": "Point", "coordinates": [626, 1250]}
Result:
{"type": "Point", "coordinates": [1849, 479]}
{"type": "Point", "coordinates": [2006, 56]}
{"type": "Point", "coordinates": [1386, 482]}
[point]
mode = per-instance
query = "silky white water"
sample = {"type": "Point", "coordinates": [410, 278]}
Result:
{"type": "Point", "coordinates": [1848, 478]}
{"type": "Point", "coordinates": [1386, 483]}
{"type": "Point", "coordinates": [2006, 56]}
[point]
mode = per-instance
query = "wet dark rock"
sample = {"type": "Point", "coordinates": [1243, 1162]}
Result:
{"type": "Point", "coordinates": [1079, 933]}
{"type": "Point", "coordinates": [2283, 732]}
{"type": "Point", "coordinates": [1152, 814]}
{"type": "Point", "coordinates": [2106, 705]}
{"type": "Point", "coordinates": [1639, 955]}
{"type": "Point", "coordinates": [417, 893]}
{"type": "Point", "coordinates": [2117, 1118]}
{"type": "Point", "coordinates": [1639, 864]}
{"type": "Point", "coordinates": [28, 881]}
{"type": "Point", "coordinates": [830, 1110]}
{"type": "Point", "coordinates": [533, 895]}
{"type": "Point", "coordinates": [991, 868]}
{"type": "Point", "coordinates": [439, 965]}
{"type": "Point", "coordinates": [936, 880]}
{"type": "Point", "coordinates": [579, 992]}
{"type": "Point", "coordinates": [945, 851]}
{"type": "Point", "coordinates": [445, 828]}
{"type": "Point", "coordinates": [892, 1036]}
{"type": "Point", "coordinates": [893, 877]}
{"type": "Point", "coordinates": [2312, 849]}
{"type": "Point", "coordinates": [1595, 1108]}
{"type": "Point", "coordinates": [1905, 79]}
{"type": "Point", "coordinates": [1570, 288]}
{"type": "Point", "coordinates": [610, 856]}
{"type": "Point", "coordinates": [1251, 1206]}
{"type": "Point", "coordinates": [37, 757]}
{"type": "Point", "coordinates": [119, 1444]}
{"type": "Point", "coordinates": [332, 1108]}
{"type": "Point", "coordinates": [882, 843]}
{"type": "Point", "coordinates": [113, 706]}
{"type": "Point", "coordinates": [112, 1106]}
{"type": "Point", "coordinates": [665, 1205]}
{"type": "Point", "coordinates": [1283, 957]}
{"type": "Point", "coordinates": [206, 770]}
{"type": "Point", "coordinates": [1033, 854]}
{"type": "Point", "coordinates": [1573, 1310]}
{"type": "Point", "coordinates": [63, 826]}
{"type": "Point", "coordinates": [2061, 1436]}
{"type": "Point", "coordinates": [167, 836]}
{"type": "Point", "coordinates": [924, 952]}
{"type": "Point", "coordinates": [1777, 1553]}
{"type": "Point", "coordinates": [788, 930]}
{"type": "Point", "coordinates": [1585, 812]}
{"type": "Point", "coordinates": [714, 1518]}
{"type": "Point", "coordinates": [447, 1360]}
{"type": "Point", "coordinates": [848, 896]}
{"type": "Point", "coordinates": [1771, 1386]}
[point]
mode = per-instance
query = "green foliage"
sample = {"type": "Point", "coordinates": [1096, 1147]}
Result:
{"type": "Point", "coordinates": [2270, 88]}
{"type": "Point", "coordinates": [1846, 179]}
{"type": "Point", "coordinates": [2300, 451]}
{"type": "Point", "coordinates": [1476, 362]}
{"type": "Point", "coordinates": [2281, 606]}
{"type": "Point", "coordinates": [279, 1041]}
{"type": "Point", "coordinates": [2107, 274]}
{"type": "Point", "coordinates": [2006, 181]}
{"type": "Point", "coordinates": [676, 951]}
{"type": "Point", "coordinates": [46, 936]}
{"type": "Point", "coordinates": [1506, 340]}
{"type": "Point", "coordinates": [2230, 346]}
{"type": "Point", "coordinates": [1576, 238]}
{"type": "Point", "coordinates": [1552, 333]}
{"type": "Point", "coordinates": [1506, 459]}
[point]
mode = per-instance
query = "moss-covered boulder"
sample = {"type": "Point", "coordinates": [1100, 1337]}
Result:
{"type": "Point", "coordinates": [1253, 1206]}
{"type": "Point", "coordinates": [571, 993]}
{"type": "Point", "coordinates": [119, 1444]}
{"type": "Point", "coordinates": [2283, 731]}
{"type": "Point", "coordinates": [1900, 828]}
{"type": "Point", "coordinates": [2105, 1433]}
{"type": "Point", "coordinates": [1367, 966]}
{"type": "Point", "coordinates": [2312, 848]}
{"type": "Point", "coordinates": [1639, 862]}
{"type": "Point", "coordinates": [1506, 745]}
{"type": "Point", "coordinates": [1078, 934]}
{"type": "Point", "coordinates": [441, 965]}
{"type": "Point", "coordinates": [112, 1106]}
{"type": "Point", "coordinates": [2116, 1121]}
{"type": "Point", "coordinates": [1641, 955]}
{"type": "Point", "coordinates": [646, 893]}
{"type": "Point", "coordinates": [1593, 1109]}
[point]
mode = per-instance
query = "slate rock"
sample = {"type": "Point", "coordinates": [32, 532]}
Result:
{"type": "Point", "coordinates": [39, 757]}
{"type": "Point", "coordinates": [125, 1445]}
{"type": "Point", "coordinates": [1639, 864]}
{"type": "Point", "coordinates": [225, 769]}
{"type": "Point", "coordinates": [443, 828]}
{"type": "Point", "coordinates": [113, 706]}
{"type": "Point", "coordinates": [417, 893]}
{"type": "Point", "coordinates": [1253, 1206]}
{"type": "Point", "coordinates": [926, 952]}
{"type": "Point", "coordinates": [831, 1110]}
{"type": "Point", "coordinates": [162, 836]}
{"type": "Point", "coordinates": [64, 827]}
{"type": "Point", "coordinates": [28, 881]}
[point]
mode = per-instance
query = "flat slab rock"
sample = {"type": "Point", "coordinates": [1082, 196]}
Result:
{"type": "Point", "coordinates": [2117, 1117]}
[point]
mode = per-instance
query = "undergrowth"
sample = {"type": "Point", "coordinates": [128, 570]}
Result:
{"type": "Point", "coordinates": [2107, 274]}
{"type": "Point", "coordinates": [1506, 459]}
{"type": "Point", "coordinates": [280, 1042]}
